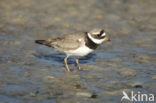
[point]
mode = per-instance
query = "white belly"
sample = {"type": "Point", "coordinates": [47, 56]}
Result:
{"type": "Point", "coordinates": [81, 51]}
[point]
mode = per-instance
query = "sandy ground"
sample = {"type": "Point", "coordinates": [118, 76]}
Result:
{"type": "Point", "coordinates": [31, 73]}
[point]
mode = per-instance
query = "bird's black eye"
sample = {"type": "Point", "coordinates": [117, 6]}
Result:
{"type": "Point", "coordinates": [101, 32]}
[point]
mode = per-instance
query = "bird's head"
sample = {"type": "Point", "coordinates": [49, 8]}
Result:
{"type": "Point", "coordinates": [98, 36]}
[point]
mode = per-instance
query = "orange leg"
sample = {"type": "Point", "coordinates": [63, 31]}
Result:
{"type": "Point", "coordinates": [66, 64]}
{"type": "Point", "coordinates": [77, 62]}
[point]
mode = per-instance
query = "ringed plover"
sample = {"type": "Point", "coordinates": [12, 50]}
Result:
{"type": "Point", "coordinates": [76, 44]}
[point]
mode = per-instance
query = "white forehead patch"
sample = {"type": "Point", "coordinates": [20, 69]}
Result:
{"type": "Point", "coordinates": [103, 34]}
{"type": "Point", "coordinates": [96, 41]}
{"type": "Point", "coordinates": [95, 32]}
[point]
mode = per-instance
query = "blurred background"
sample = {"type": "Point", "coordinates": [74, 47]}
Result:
{"type": "Point", "coordinates": [31, 73]}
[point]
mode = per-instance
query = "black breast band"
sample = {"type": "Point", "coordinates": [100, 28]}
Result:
{"type": "Point", "coordinates": [89, 43]}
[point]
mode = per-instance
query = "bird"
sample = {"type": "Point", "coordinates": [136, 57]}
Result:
{"type": "Point", "coordinates": [76, 44]}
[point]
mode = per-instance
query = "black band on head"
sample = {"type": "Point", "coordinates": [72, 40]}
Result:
{"type": "Point", "coordinates": [102, 31]}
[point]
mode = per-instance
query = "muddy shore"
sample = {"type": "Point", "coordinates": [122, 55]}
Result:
{"type": "Point", "coordinates": [31, 73]}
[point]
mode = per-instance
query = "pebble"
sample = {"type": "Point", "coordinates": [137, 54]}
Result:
{"type": "Point", "coordinates": [27, 74]}
{"type": "Point", "coordinates": [127, 73]}
{"type": "Point", "coordinates": [17, 43]}
{"type": "Point", "coordinates": [136, 85]}
{"type": "Point", "coordinates": [2, 26]}
{"type": "Point", "coordinates": [32, 95]}
{"type": "Point", "coordinates": [86, 94]}
{"type": "Point", "coordinates": [154, 78]}
{"type": "Point", "coordinates": [48, 78]}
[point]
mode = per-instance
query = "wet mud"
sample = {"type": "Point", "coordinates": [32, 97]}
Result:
{"type": "Point", "coordinates": [32, 73]}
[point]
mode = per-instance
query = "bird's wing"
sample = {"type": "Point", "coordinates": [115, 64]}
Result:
{"type": "Point", "coordinates": [67, 42]}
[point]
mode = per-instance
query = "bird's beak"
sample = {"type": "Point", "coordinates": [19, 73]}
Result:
{"type": "Point", "coordinates": [106, 38]}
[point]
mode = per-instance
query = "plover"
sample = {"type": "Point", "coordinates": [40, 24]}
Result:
{"type": "Point", "coordinates": [76, 44]}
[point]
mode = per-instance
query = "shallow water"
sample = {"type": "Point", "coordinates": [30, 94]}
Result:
{"type": "Point", "coordinates": [31, 73]}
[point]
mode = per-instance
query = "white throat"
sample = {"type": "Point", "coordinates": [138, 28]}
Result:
{"type": "Point", "coordinates": [96, 41]}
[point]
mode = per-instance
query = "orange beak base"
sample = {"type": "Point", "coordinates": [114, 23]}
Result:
{"type": "Point", "coordinates": [106, 38]}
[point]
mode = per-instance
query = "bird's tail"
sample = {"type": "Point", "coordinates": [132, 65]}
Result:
{"type": "Point", "coordinates": [40, 41]}
{"type": "Point", "coordinates": [43, 42]}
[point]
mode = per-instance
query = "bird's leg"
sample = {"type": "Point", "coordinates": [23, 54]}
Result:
{"type": "Point", "coordinates": [66, 64]}
{"type": "Point", "coordinates": [77, 62]}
